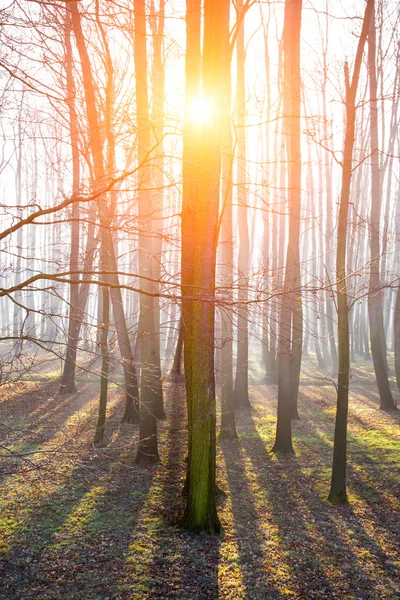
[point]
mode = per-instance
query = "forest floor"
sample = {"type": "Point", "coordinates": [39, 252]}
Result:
{"type": "Point", "coordinates": [90, 524]}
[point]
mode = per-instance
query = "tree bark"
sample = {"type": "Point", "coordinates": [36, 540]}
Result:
{"type": "Point", "coordinates": [201, 512]}
{"type": "Point", "coordinates": [228, 424]}
{"type": "Point", "coordinates": [241, 390]}
{"type": "Point", "coordinates": [68, 377]}
{"type": "Point", "coordinates": [338, 493]}
{"type": "Point", "coordinates": [105, 367]}
{"type": "Point", "coordinates": [176, 367]}
{"type": "Point", "coordinates": [375, 309]}
{"type": "Point", "coordinates": [291, 330]}
{"type": "Point", "coordinates": [148, 447]}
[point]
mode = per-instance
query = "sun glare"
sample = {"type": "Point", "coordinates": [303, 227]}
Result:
{"type": "Point", "coordinates": [200, 110]}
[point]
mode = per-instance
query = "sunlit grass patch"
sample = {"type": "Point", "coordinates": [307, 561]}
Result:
{"type": "Point", "coordinates": [331, 411]}
{"type": "Point", "coordinates": [41, 376]}
{"type": "Point", "coordinates": [39, 474]}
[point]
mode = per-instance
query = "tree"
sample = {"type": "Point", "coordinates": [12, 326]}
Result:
{"type": "Point", "coordinates": [147, 450]}
{"type": "Point", "coordinates": [68, 377]}
{"type": "Point", "coordinates": [131, 414]}
{"type": "Point", "coordinates": [375, 309]}
{"type": "Point", "coordinates": [338, 494]}
{"type": "Point", "coordinates": [290, 333]}
{"type": "Point", "coordinates": [198, 313]}
{"type": "Point", "coordinates": [228, 425]}
{"type": "Point", "coordinates": [241, 391]}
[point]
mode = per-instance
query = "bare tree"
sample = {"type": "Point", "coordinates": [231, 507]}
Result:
{"type": "Point", "coordinates": [338, 494]}
{"type": "Point", "coordinates": [290, 331]}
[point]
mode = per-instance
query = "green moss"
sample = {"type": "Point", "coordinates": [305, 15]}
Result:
{"type": "Point", "coordinates": [338, 499]}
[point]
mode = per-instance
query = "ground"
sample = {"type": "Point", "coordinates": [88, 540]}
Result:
{"type": "Point", "coordinates": [90, 524]}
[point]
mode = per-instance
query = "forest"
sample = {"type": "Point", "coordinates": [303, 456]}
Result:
{"type": "Point", "coordinates": [199, 299]}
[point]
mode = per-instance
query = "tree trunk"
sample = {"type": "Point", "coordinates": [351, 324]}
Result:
{"type": "Point", "coordinates": [203, 204]}
{"type": "Point", "coordinates": [228, 425]}
{"type": "Point", "coordinates": [148, 448]}
{"type": "Point", "coordinates": [131, 414]}
{"type": "Point", "coordinates": [338, 493]}
{"type": "Point", "coordinates": [68, 377]}
{"type": "Point", "coordinates": [290, 334]}
{"type": "Point", "coordinates": [329, 218]}
{"type": "Point", "coordinates": [176, 367]}
{"type": "Point", "coordinates": [241, 391]}
{"type": "Point", "coordinates": [158, 76]}
{"type": "Point", "coordinates": [375, 310]}
{"type": "Point", "coordinates": [105, 366]}
{"type": "Point", "coordinates": [396, 327]}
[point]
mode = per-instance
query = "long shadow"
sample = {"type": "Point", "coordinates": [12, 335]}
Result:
{"type": "Point", "coordinates": [375, 502]}
{"type": "Point", "coordinates": [252, 554]}
{"type": "Point", "coordinates": [37, 430]}
{"type": "Point", "coordinates": [53, 415]}
{"type": "Point", "coordinates": [353, 523]}
{"type": "Point", "coordinates": [359, 453]}
{"type": "Point", "coordinates": [288, 490]}
{"type": "Point", "coordinates": [75, 541]}
{"type": "Point", "coordinates": [181, 566]}
{"type": "Point", "coordinates": [285, 514]}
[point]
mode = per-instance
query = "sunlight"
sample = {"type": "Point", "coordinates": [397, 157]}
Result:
{"type": "Point", "coordinates": [200, 110]}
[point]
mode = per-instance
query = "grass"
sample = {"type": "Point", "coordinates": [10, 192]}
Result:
{"type": "Point", "coordinates": [84, 523]}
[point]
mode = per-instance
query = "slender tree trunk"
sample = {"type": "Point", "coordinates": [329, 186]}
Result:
{"type": "Point", "coordinates": [158, 76]}
{"type": "Point", "coordinates": [375, 309]}
{"type": "Point", "coordinates": [105, 367]}
{"type": "Point", "coordinates": [329, 216]}
{"type": "Point", "coordinates": [241, 391]}
{"type": "Point", "coordinates": [396, 327]}
{"type": "Point", "coordinates": [228, 425]}
{"type": "Point", "coordinates": [291, 319]}
{"type": "Point", "coordinates": [68, 376]}
{"type": "Point", "coordinates": [176, 367]}
{"type": "Point", "coordinates": [338, 493]}
{"type": "Point", "coordinates": [17, 314]}
{"type": "Point", "coordinates": [131, 414]}
{"type": "Point", "coordinates": [148, 449]}
{"type": "Point", "coordinates": [268, 341]}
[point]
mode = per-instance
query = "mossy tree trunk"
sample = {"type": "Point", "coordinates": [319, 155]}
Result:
{"type": "Point", "coordinates": [202, 206]}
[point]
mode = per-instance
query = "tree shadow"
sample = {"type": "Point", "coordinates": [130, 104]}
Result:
{"type": "Point", "coordinates": [75, 538]}
{"type": "Point", "coordinates": [313, 545]}
{"type": "Point", "coordinates": [48, 417]}
{"type": "Point", "coordinates": [249, 536]}
{"type": "Point", "coordinates": [359, 455]}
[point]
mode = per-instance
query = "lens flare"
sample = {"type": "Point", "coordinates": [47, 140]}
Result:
{"type": "Point", "coordinates": [200, 110]}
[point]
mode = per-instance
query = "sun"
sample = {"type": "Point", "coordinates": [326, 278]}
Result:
{"type": "Point", "coordinates": [200, 110]}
